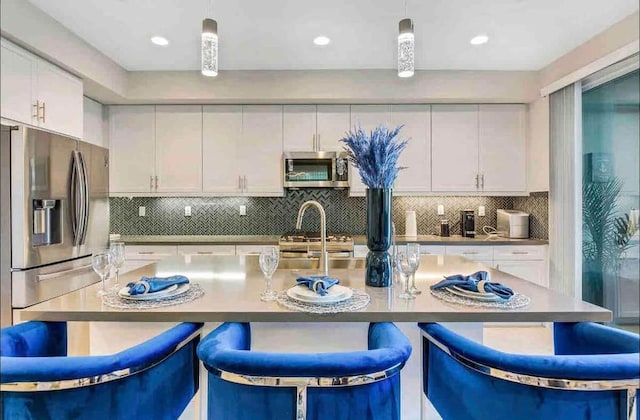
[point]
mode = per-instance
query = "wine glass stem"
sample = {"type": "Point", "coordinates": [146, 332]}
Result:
{"type": "Point", "coordinates": [269, 284]}
{"type": "Point", "coordinates": [413, 280]}
{"type": "Point", "coordinates": [117, 275]}
{"type": "Point", "coordinates": [406, 284]}
{"type": "Point", "coordinates": [103, 278]}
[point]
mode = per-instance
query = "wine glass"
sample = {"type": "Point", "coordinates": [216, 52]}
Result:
{"type": "Point", "coordinates": [413, 251]}
{"type": "Point", "coordinates": [405, 268]}
{"type": "Point", "coordinates": [269, 258]}
{"type": "Point", "coordinates": [101, 263]}
{"type": "Point", "coordinates": [117, 259]}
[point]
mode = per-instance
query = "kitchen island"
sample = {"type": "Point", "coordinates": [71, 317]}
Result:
{"type": "Point", "coordinates": [232, 285]}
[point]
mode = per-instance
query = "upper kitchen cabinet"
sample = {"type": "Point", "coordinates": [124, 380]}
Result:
{"type": "Point", "coordinates": [132, 148]}
{"type": "Point", "coordinates": [416, 157]}
{"type": "Point", "coordinates": [299, 128]}
{"type": "Point", "coordinates": [454, 148]}
{"type": "Point", "coordinates": [260, 151]}
{"type": "Point", "coordinates": [94, 123]}
{"type": "Point", "coordinates": [478, 148]}
{"type": "Point", "coordinates": [221, 137]}
{"type": "Point", "coordinates": [502, 148]}
{"type": "Point", "coordinates": [333, 123]}
{"type": "Point", "coordinates": [311, 128]}
{"type": "Point", "coordinates": [37, 93]}
{"type": "Point", "coordinates": [178, 143]}
{"type": "Point", "coordinates": [368, 117]}
{"type": "Point", "coordinates": [242, 150]}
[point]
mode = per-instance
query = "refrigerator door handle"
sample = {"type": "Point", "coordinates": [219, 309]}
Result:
{"type": "Point", "coordinates": [85, 199]}
{"type": "Point", "coordinates": [74, 205]}
{"type": "Point", "coordinates": [57, 274]}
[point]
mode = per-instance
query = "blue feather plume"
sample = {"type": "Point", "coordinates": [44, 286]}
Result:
{"type": "Point", "coordinates": [375, 155]}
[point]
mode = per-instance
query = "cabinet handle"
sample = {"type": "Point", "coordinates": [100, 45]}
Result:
{"type": "Point", "coordinates": [156, 183]}
{"type": "Point", "coordinates": [146, 252]}
{"type": "Point", "coordinates": [482, 182]}
{"type": "Point", "coordinates": [244, 183]}
{"type": "Point", "coordinates": [477, 181]}
{"type": "Point", "coordinates": [151, 183]}
{"type": "Point", "coordinates": [314, 143]}
{"type": "Point", "coordinates": [204, 252]}
{"type": "Point", "coordinates": [240, 182]}
{"type": "Point", "coordinates": [318, 142]}
{"type": "Point", "coordinates": [36, 110]}
{"type": "Point", "coordinates": [470, 253]}
{"type": "Point", "coordinates": [43, 112]}
{"type": "Point", "coordinates": [520, 252]}
{"type": "Point", "coordinates": [497, 266]}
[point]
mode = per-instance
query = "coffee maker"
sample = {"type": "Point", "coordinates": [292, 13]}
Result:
{"type": "Point", "coordinates": [467, 224]}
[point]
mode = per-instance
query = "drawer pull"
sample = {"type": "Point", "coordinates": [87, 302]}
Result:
{"type": "Point", "coordinates": [520, 252]}
{"type": "Point", "coordinates": [204, 252]}
{"type": "Point", "coordinates": [470, 253]}
{"type": "Point", "coordinates": [146, 252]}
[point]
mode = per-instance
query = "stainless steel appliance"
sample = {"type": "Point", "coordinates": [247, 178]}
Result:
{"type": "Point", "coordinates": [55, 211]}
{"type": "Point", "coordinates": [300, 244]}
{"type": "Point", "coordinates": [316, 169]}
{"type": "Point", "coordinates": [467, 224]}
{"type": "Point", "coordinates": [513, 223]}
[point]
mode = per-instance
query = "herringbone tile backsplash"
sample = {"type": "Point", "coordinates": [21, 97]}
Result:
{"type": "Point", "coordinates": [276, 215]}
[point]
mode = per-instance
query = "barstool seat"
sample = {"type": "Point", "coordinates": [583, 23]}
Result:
{"type": "Point", "coordinates": [594, 374]}
{"type": "Point", "coordinates": [153, 380]}
{"type": "Point", "coordinates": [252, 385]}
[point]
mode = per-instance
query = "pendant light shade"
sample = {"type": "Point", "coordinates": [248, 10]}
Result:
{"type": "Point", "coordinates": [405, 48]}
{"type": "Point", "coordinates": [209, 47]}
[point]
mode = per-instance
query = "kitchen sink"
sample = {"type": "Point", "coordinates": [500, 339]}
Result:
{"type": "Point", "coordinates": [314, 263]}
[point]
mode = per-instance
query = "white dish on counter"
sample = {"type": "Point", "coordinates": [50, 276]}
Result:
{"type": "Point", "coordinates": [173, 290]}
{"type": "Point", "coordinates": [335, 293]}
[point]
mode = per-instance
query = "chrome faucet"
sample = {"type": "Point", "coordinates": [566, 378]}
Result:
{"type": "Point", "coordinates": [324, 266]}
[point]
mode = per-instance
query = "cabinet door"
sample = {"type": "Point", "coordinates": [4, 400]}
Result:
{"type": "Point", "coordinates": [93, 127]}
{"type": "Point", "coordinates": [333, 121]}
{"type": "Point", "coordinates": [299, 128]}
{"type": "Point", "coordinates": [261, 149]}
{"type": "Point", "coordinates": [132, 148]}
{"type": "Point", "coordinates": [252, 249]}
{"type": "Point", "coordinates": [503, 147]}
{"type": "Point", "coordinates": [60, 95]}
{"type": "Point", "coordinates": [17, 71]}
{"type": "Point", "coordinates": [221, 137]}
{"type": "Point", "coordinates": [206, 250]}
{"type": "Point", "coordinates": [179, 148]}
{"type": "Point", "coordinates": [416, 158]}
{"type": "Point", "coordinates": [368, 117]}
{"type": "Point", "coordinates": [454, 147]}
{"type": "Point", "coordinates": [149, 252]}
{"type": "Point", "coordinates": [533, 271]}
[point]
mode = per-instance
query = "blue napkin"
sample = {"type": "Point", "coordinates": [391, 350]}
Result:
{"type": "Point", "coordinates": [471, 283]}
{"type": "Point", "coordinates": [319, 284]}
{"type": "Point", "coordinates": [154, 284]}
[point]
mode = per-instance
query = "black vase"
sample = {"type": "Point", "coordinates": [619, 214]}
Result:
{"type": "Point", "coordinates": [378, 263]}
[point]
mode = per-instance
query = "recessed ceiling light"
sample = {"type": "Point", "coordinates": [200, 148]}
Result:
{"type": "Point", "coordinates": [321, 40]}
{"type": "Point", "coordinates": [479, 40]}
{"type": "Point", "coordinates": [160, 40]}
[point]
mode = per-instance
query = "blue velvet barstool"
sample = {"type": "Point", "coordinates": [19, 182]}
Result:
{"type": "Point", "coordinates": [251, 385]}
{"type": "Point", "coordinates": [594, 374]}
{"type": "Point", "coordinates": [153, 380]}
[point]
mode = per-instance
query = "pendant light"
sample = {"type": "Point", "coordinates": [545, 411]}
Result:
{"type": "Point", "coordinates": [405, 46]}
{"type": "Point", "coordinates": [209, 47]}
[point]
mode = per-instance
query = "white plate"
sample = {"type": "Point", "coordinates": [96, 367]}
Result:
{"type": "Point", "coordinates": [169, 291]}
{"type": "Point", "coordinates": [336, 293]}
{"type": "Point", "coordinates": [488, 297]}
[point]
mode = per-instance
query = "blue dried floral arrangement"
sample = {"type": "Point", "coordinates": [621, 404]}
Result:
{"type": "Point", "coordinates": [375, 155]}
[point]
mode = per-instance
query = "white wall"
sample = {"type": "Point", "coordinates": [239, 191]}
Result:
{"type": "Point", "coordinates": [538, 145]}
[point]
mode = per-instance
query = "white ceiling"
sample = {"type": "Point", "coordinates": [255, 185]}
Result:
{"type": "Point", "coordinates": [278, 34]}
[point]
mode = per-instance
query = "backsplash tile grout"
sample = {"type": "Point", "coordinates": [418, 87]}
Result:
{"type": "Point", "coordinates": [276, 215]}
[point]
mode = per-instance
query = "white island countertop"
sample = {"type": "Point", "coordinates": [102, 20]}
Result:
{"type": "Point", "coordinates": [232, 286]}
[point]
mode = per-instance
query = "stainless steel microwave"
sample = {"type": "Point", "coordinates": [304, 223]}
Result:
{"type": "Point", "coordinates": [316, 170]}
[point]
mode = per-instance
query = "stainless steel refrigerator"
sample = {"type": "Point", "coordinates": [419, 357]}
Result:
{"type": "Point", "coordinates": [54, 214]}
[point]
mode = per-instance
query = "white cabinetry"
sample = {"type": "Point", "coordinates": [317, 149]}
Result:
{"type": "Point", "coordinates": [221, 135]}
{"type": "Point", "coordinates": [502, 162]}
{"type": "Point", "coordinates": [178, 148]}
{"type": "Point", "coordinates": [478, 148]}
{"type": "Point", "coordinates": [454, 148]}
{"type": "Point", "coordinates": [251, 249]}
{"type": "Point", "coordinates": [242, 150]}
{"type": "Point", "coordinates": [95, 124]}
{"type": "Point", "coordinates": [367, 117]}
{"type": "Point", "coordinates": [132, 148]}
{"type": "Point", "coordinates": [314, 128]}
{"type": "Point", "coordinates": [38, 93]}
{"type": "Point", "coordinates": [189, 250]}
{"type": "Point", "coordinates": [416, 158]}
{"type": "Point", "coordinates": [260, 150]}
{"type": "Point", "coordinates": [527, 262]}
{"type": "Point", "coordinates": [333, 121]}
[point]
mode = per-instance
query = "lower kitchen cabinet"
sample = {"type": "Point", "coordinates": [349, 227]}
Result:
{"type": "Point", "coordinates": [206, 250]}
{"type": "Point", "coordinates": [251, 249]}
